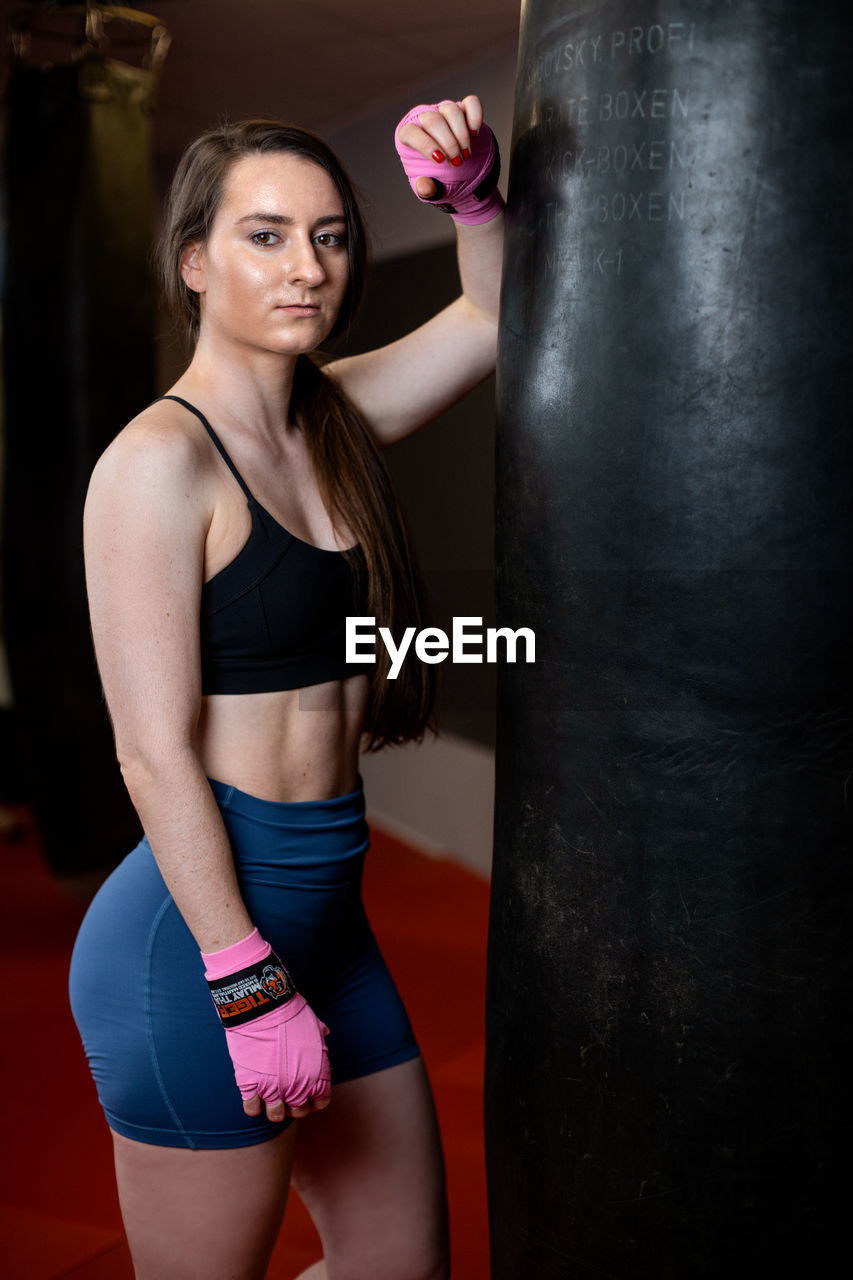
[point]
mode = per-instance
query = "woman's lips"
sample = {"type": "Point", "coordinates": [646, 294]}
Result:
{"type": "Point", "coordinates": [297, 310]}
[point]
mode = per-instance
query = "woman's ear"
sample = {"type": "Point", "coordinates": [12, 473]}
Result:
{"type": "Point", "coordinates": [192, 266]}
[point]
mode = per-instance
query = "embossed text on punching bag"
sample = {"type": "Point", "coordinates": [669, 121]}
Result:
{"type": "Point", "coordinates": [621, 151]}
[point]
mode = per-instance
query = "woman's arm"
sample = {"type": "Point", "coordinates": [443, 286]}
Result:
{"type": "Point", "coordinates": [144, 528]}
{"type": "Point", "coordinates": [400, 387]}
{"type": "Point", "coordinates": [145, 524]}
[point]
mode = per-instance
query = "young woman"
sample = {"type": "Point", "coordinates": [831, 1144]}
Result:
{"type": "Point", "coordinates": [225, 980]}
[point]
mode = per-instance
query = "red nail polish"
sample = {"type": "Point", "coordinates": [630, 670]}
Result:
{"type": "Point", "coordinates": [438, 156]}
{"type": "Point", "coordinates": [457, 160]}
{"type": "Point", "coordinates": [465, 153]}
{"type": "Point", "coordinates": [473, 132]}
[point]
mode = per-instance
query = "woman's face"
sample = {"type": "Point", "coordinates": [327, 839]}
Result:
{"type": "Point", "coordinates": [274, 270]}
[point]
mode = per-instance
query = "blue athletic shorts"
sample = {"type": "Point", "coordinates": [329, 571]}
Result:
{"type": "Point", "coordinates": [154, 1042]}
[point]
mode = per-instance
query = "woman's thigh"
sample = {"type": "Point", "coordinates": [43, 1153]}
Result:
{"type": "Point", "coordinates": [371, 1173]}
{"type": "Point", "coordinates": [211, 1214]}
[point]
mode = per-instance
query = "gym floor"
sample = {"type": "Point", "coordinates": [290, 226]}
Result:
{"type": "Point", "coordinates": [59, 1213]}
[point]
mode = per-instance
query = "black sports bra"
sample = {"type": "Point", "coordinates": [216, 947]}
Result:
{"type": "Point", "coordinates": [274, 618]}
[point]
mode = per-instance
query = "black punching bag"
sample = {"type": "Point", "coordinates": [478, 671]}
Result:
{"type": "Point", "coordinates": [79, 312]}
{"type": "Point", "coordinates": [667, 1051]}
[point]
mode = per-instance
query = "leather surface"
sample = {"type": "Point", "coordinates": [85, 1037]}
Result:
{"type": "Point", "coordinates": [78, 337]}
{"type": "Point", "coordinates": [666, 1034]}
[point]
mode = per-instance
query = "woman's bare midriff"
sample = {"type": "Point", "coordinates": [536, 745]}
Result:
{"type": "Point", "coordinates": [293, 744]}
{"type": "Point", "coordinates": [297, 744]}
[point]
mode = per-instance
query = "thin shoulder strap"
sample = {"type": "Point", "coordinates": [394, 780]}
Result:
{"type": "Point", "coordinates": [215, 438]}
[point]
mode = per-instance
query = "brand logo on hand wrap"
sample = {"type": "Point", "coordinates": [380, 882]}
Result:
{"type": "Point", "coordinates": [275, 981]}
{"type": "Point", "coordinates": [251, 992]}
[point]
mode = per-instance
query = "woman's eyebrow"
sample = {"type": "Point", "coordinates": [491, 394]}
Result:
{"type": "Point", "coordinates": [282, 219]}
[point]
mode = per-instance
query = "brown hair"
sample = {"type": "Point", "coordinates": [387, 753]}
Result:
{"type": "Point", "coordinates": [352, 475]}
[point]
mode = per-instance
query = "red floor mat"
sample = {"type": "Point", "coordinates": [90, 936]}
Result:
{"type": "Point", "coordinates": [58, 1206]}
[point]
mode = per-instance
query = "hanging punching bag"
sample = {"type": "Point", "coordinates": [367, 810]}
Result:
{"type": "Point", "coordinates": [79, 308]}
{"type": "Point", "coordinates": [667, 1051]}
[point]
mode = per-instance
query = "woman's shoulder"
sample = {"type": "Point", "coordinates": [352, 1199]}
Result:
{"type": "Point", "coordinates": [159, 456]}
{"type": "Point", "coordinates": [161, 438]}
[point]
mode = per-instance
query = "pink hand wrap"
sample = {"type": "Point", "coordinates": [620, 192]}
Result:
{"type": "Point", "coordinates": [469, 191]}
{"type": "Point", "coordinates": [275, 1039]}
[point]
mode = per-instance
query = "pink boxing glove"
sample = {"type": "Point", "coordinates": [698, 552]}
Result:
{"type": "Point", "coordinates": [275, 1039]}
{"type": "Point", "coordinates": [469, 191]}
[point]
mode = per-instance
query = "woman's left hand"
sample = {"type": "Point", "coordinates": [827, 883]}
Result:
{"type": "Point", "coordinates": [451, 160]}
{"type": "Point", "coordinates": [443, 134]}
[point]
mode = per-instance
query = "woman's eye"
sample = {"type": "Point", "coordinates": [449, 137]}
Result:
{"type": "Point", "coordinates": [264, 238]}
{"type": "Point", "coordinates": [330, 239]}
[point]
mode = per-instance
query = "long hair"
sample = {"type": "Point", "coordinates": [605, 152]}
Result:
{"type": "Point", "coordinates": [351, 473]}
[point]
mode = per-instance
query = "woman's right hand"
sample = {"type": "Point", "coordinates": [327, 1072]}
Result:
{"type": "Point", "coordinates": [276, 1041]}
{"type": "Point", "coordinates": [281, 1062]}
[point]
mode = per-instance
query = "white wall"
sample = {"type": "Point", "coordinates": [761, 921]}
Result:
{"type": "Point", "coordinates": [438, 796]}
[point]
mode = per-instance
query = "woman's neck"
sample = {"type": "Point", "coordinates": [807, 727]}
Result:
{"type": "Point", "coordinates": [247, 387]}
